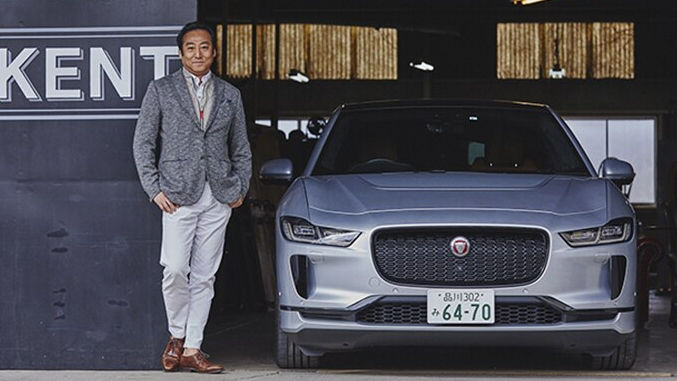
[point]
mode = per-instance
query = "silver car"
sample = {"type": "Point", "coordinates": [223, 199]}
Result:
{"type": "Point", "coordinates": [454, 223]}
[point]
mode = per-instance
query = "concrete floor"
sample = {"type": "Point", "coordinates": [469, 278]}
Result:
{"type": "Point", "coordinates": [243, 343]}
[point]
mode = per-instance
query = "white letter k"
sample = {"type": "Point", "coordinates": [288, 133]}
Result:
{"type": "Point", "coordinates": [14, 72]}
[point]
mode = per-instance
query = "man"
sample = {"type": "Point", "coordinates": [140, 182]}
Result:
{"type": "Point", "coordinates": [194, 162]}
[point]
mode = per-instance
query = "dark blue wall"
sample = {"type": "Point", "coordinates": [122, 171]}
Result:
{"type": "Point", "coordinates": [79, 240]}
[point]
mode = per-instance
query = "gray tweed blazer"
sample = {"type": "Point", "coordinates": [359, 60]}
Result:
{"type": "Point", "coordinates": [175, 156]}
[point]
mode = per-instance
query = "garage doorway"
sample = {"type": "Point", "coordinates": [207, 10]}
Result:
{"type": "Point", "coordinates": [629, 139]}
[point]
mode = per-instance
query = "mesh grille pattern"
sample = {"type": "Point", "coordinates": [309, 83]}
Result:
{"type": "Point", "coordinates": [415, 313]}
{"type": "Point", "coordinates": [496, 257]}
{"type": "Point", "coordinates": [394, 313]}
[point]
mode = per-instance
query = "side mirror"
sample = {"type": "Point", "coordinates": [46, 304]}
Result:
{"type": "Point", "coordinates": [276, 171]}
{"type": "Point", "coordinates": [618, 171]}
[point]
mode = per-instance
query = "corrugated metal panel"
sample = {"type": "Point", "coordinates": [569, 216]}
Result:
{"type": "Point", "coordinates": [613, 48]}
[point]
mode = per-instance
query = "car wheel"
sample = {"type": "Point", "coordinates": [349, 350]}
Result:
{"type": "Point", "coordinates": [622, 358]}
{"type": "Point", "coordinates": [288, 355]}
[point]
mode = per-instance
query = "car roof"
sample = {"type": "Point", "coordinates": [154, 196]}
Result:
{"type": "Point", "coordinates": [405, 103]}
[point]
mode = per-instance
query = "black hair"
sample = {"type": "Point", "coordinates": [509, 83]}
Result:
{"type": "Point", "coordinates": [195, 25]}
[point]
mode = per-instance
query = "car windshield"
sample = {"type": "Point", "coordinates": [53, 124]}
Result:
{"type": "Point", "coordinates": [448, 139]}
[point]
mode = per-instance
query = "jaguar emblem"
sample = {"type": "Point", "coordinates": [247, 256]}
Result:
{"type": "Point", "coordinates": [460, 246]}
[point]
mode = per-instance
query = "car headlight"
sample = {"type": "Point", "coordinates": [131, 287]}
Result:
{"type": "Point", "coordinates": [300, 230]}
{"type": "Point", "coordinates": [613, 232]}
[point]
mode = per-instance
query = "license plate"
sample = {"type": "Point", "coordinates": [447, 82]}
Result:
{"type": "Point", "coordinates": [461, 306]}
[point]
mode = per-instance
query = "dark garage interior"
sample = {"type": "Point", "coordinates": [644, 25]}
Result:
{"type": "Point", "coordinates": [606, 66]}
{"type": "Point", "coordinates": [461, 39]}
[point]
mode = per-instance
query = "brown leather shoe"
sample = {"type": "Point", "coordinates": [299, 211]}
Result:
{"type": "Point", "coordinates": [171, 357]}
{"type": "Point", "coordinates": [198, 363]}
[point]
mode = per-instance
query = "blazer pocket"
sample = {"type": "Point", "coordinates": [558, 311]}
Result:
{"type": "Point", "coordinates": [229, 185]}
{"type": "Point", "coordinates": [225, 112]}
{"type": "Point", "coordinates": [171, 175]}
{"type": "Point", "coordinates": [219, 169]}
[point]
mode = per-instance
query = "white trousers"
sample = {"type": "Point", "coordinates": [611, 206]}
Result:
{"type": "Point", "coordinates": [192, 247]}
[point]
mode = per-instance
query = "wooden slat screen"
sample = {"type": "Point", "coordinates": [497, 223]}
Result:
{"type": "Point", "coordinates": [613, 47]}
{"type": "Point", "coordinates": [293, 42]}
{"type": "Point", "coordinates": [265, 51]}
{"type": "Point", "coordinates": [320, 51]}
{"type": "Point", "coordinates": [239, 46]}
{"type": "Point", "coordinates": [219, 48]}
{"type": "Point", "coordinates": [592, 50]}
{"type": "Point", "coordinates": [518, 51]}
{"type": "Point", "coordinates": [329, 52]}
{"type": "Point", "coordinates": [375, 53]}
{"type": "Point", "coordinates": [572, 48]}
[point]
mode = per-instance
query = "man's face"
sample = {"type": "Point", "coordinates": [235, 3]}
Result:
{"type": "Point", "coordinates": [197, 52]}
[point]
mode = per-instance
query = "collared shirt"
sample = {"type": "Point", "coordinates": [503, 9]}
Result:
{"type": "Point", "coordinates": [200, 90]}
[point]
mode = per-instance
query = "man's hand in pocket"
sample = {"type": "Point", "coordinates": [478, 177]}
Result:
{"type": "Point", "coordinates": [163, 203]}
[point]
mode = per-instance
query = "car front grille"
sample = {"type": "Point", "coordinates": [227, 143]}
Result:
{"type": "Point", "coordinates": [414, 313]}
{"type": "Point", "coordinates": [424, 257]}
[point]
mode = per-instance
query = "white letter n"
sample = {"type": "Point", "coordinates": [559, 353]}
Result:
{"type": "Point", "coordinates": [122, 80]}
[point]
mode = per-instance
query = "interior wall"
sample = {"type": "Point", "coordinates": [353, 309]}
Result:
{"type": "Point", "coordinates": [79, 240]}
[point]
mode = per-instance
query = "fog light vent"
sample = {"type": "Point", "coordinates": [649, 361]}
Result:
{"type": "Point", "coordinates": [617, 268]}
{"type": "Point", "coordinates": [300, 269]}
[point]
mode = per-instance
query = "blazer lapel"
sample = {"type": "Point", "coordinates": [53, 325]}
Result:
{"type": "Point", "coordinates": [218, 94]}
{"type": "Point", "coordinates": [181, 89]}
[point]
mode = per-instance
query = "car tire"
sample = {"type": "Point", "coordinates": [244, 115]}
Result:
{"type": "Point", "coordinates": [622, 358]}
{"type": "Point", "coordinates": [288, 355]}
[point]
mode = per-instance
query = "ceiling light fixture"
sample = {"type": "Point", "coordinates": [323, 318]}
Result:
{"type": "Point", "coordinates": [557, 71]}
{"type": "Point", "coordinates": [526, 2]}
{"type": "Point", "coordinates": [297, 76]}
{"type": "Point", "coordinates": [424, 66]}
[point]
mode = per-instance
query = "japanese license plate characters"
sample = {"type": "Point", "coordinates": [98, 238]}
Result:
{"type": "Point", "coordinates": [462, 306]}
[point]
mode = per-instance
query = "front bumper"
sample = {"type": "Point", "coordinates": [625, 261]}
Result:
{"type": "Point", "coordinates": [338, 281]}
{"type": "Point", "coordinates": [338, 277]}
{"type": "Point", "coordinates": [316, 336]}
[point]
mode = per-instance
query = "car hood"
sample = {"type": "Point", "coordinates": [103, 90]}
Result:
{"type": "Point", "coordinates": [379, 193]}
